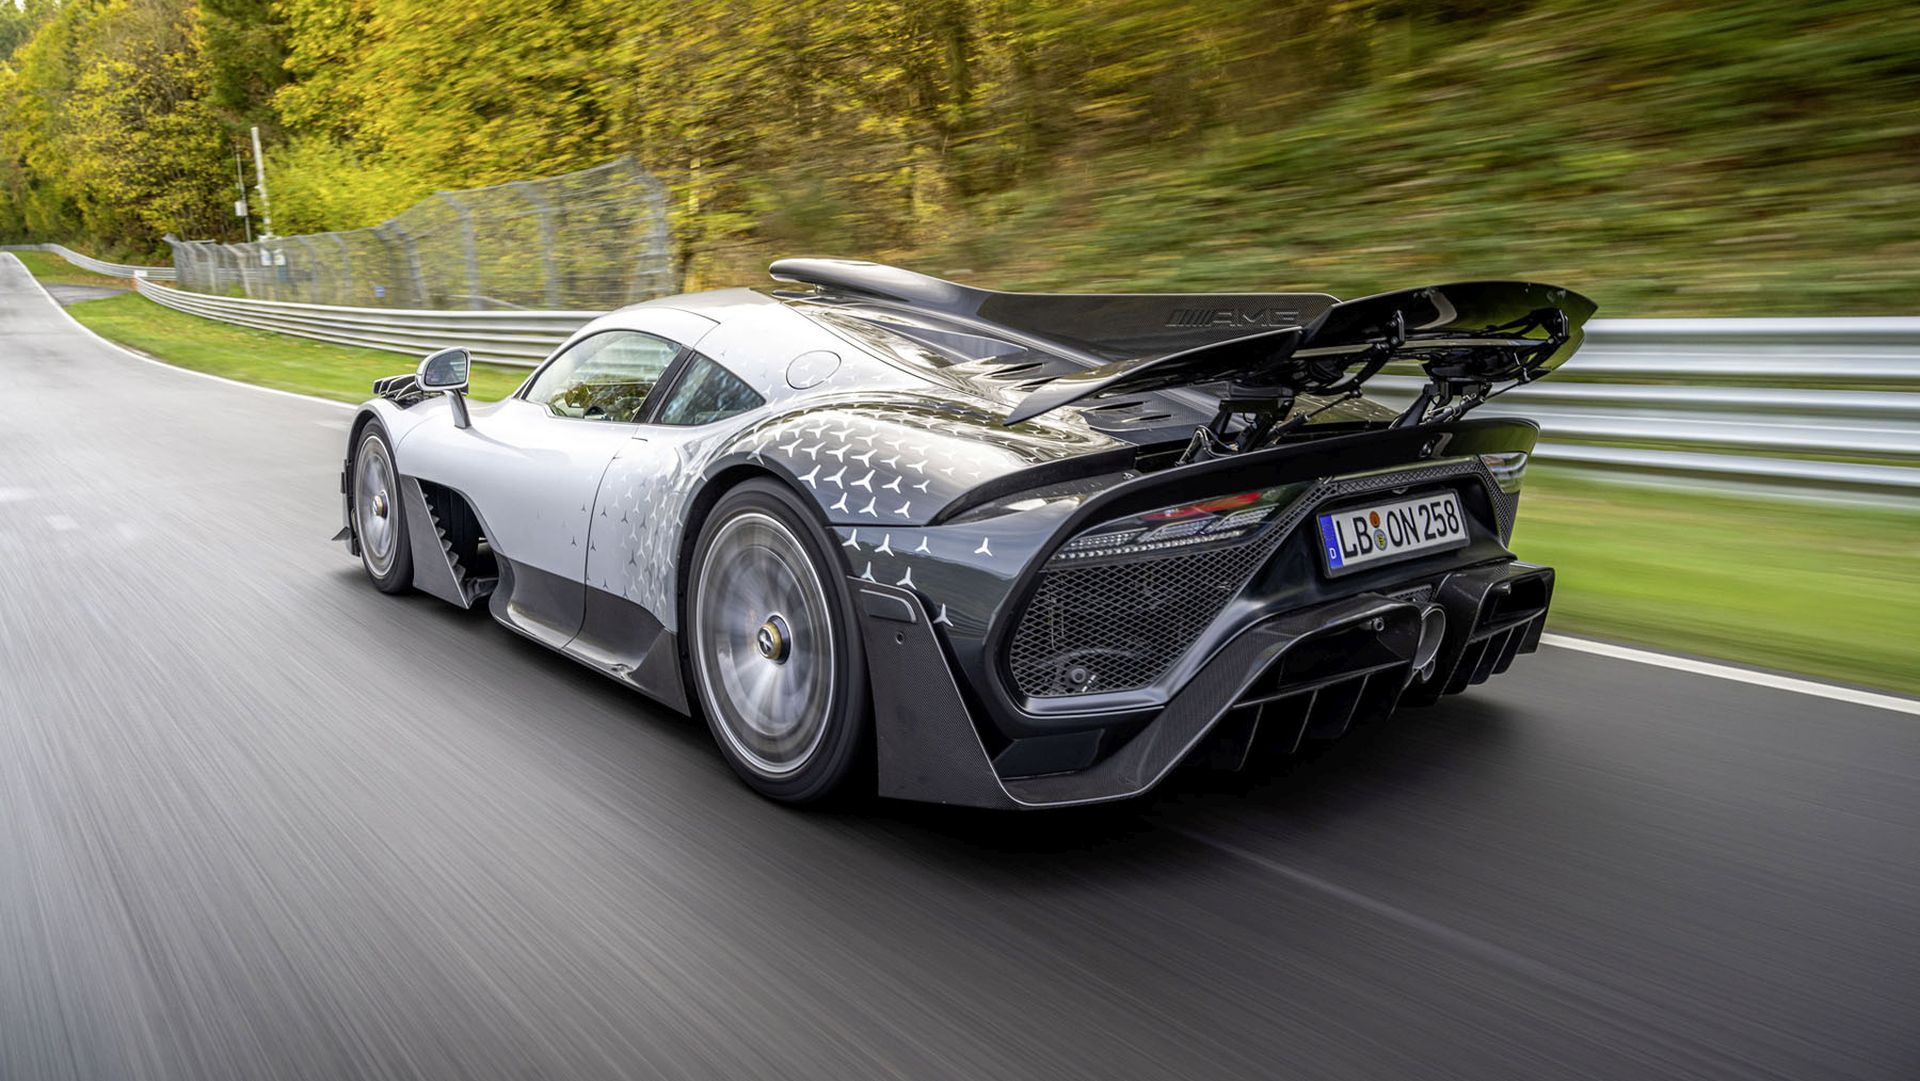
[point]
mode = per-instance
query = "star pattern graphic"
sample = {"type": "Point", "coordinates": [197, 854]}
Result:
{"type": "Point", "coordinates": [885, 456]}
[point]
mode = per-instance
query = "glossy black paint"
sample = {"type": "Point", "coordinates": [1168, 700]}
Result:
{"type": "Point", "coordinates": [1102, 326]}
{"type": "Point", "coordinates": [1481, 319]}
{"type": "Point", "coordinates": [1291, 579]}
{"type": "Point", "coordinates": [915, 458]}
{"type": "Point", "coordinates": [977, 566]}
{"type": "Point", "coordinates": [1250, 355]}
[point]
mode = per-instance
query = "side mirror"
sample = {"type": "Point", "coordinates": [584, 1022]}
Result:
{"type": "Point", "coordinates": [446, 370]}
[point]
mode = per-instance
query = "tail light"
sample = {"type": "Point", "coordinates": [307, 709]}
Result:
{"type": "Point", "coordinates": [1220, 520]}
{"type": "Point", "coordinates": [1509, 468]}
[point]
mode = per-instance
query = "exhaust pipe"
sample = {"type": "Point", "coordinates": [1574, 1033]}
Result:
{"type": "Point", "coordinates": [1433, 631]}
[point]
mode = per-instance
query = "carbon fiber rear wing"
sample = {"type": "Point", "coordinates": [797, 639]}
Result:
{"type": "Point", "coordinates": [1472, 339]}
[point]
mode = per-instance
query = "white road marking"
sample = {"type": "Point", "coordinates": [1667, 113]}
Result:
{"type": "Point", "coordinates": [124, 351]}
{"type": "Point", "coordinates": [15, 495]}
{"type": "Point", "coordinates": [1769, 680]}
{"type": "Point", "coordinates": [60, 523]}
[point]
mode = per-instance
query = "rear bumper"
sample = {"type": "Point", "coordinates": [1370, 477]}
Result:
{"type": "Point", "coordinates": [1307, 674]}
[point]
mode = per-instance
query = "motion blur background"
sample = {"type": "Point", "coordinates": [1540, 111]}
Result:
{"type": "Point", "coordinates": [1711, 159]}
{"type": "Point", "coordinates": [1699, 158]}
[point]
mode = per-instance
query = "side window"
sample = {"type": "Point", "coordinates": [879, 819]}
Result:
{"type": "Point", "coordinates": [605, 377]}
{"type": "Point", "coordinates": [706, 393]}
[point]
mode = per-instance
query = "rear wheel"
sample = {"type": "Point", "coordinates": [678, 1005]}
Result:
{"type": "Point", "coordinates": [378, 520]}
{"type": "Point", "coordinates": [773, 646]}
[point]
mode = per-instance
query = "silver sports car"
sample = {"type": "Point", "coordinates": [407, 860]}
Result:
{"type": "Point", "coordinates": [887, 532]}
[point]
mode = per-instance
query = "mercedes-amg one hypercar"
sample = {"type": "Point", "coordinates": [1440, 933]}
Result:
{"type": "Point", "coordinates": [892, 533]}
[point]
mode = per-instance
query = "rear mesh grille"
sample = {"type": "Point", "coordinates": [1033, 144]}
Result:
{"type": "Point", "coordinates": [1117, 626]}
{"type": "Point", "coordinates": [1120, 626]}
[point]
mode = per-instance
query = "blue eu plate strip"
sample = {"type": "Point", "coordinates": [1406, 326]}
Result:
{"type": "Point", "coordinates": [1331, 540]}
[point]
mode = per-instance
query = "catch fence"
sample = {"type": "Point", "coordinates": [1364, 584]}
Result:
{"type": "Point", "coordinates": [593, 239]}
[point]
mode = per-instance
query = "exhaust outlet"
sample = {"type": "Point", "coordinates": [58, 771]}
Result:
{"type": "Point", "coordinates": [1433, 631]}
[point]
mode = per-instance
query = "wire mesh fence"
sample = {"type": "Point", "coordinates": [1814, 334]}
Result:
{"type": "Point", "coordinates": [590, 240]}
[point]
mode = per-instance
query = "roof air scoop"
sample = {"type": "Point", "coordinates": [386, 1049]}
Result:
{"type": "Point", "coordinates": [881, 282]}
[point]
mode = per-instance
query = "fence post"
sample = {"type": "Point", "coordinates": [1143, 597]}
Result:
{"type": "Point", "coordinates": [173, 252]}
{"type": "Point", "coordinates": [655, 278]}
{"type": "Point", "coordinates": [345, 293]}
{"type": "Point", "coordinates": [411, 261]}
{"type": "Point", "coordinates": [544, 207]}
{"type": "Point", "coordinates": [243, 266]}
{"type": "Point", "coordinates": [467, 242]}
{"type": "Point", "coordinates": [314, 269]}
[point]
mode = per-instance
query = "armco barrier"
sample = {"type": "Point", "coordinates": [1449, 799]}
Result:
{"type": "Point", "coordinates": [503, 337]}
{"type": "Point", "coordinates": [98, 266]}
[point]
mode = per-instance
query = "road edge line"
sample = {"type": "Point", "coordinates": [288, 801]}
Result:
{"type": "Point", "coordinates": [1770, 680]}
{"type": "Point", "coordinates": [125, 351]}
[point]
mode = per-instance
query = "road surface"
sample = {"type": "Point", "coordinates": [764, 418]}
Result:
{"type": "Point", "coordinates": [258, 821]}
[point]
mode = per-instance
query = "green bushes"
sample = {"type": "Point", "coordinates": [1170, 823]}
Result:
{"type": "Point", "coordinates": [1729, 157]}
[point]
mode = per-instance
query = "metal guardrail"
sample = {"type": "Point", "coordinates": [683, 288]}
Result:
{"type": "Point", "coordinates": [1708, 399]}
{"type": "Point", "coordinates": [98, 266]}
{"type": "Point", "coordinates": [521, 338]}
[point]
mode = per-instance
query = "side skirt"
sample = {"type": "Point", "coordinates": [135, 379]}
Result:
{"type": "Point", "coordinates": [602, 630]}
{"type": "Point", "coordinates": [608, 633]}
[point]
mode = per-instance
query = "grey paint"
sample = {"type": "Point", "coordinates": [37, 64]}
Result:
{"type": "Point", "coordinates": [608, 505]}
{"type": "Point", "coordinates": [433, 570]}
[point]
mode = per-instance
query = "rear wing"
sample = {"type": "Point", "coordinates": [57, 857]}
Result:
{"type": "Point", "coordinates": [1470, 338]}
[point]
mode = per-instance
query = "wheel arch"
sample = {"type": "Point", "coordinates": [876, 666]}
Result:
{"type": "Point", "coordinates": [365, 416]}
{"type": "Point", "coordinates": [701, 506]}
{"type": "Point", "coordinates": [723, 481]}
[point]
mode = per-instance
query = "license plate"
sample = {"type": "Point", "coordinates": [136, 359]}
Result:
{"type": "Point", "coordinates": [1384, 532]}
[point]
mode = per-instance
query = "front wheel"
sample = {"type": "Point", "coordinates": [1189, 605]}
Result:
{"type": "Point", "coordinates": [773, 646]}
{"type": "Point", "coordinates": [378, 520]}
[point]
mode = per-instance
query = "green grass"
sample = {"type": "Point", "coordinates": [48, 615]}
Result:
{"type": "Point", "coordinates": [260, 356]}
{"type": "Point", "coordinates": [53, 270]}
{"type": "Point", "coordinates": [1830, 591]}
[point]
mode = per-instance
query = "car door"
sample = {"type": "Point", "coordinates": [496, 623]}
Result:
{"type": "Point", "coordinates": [532, 464]}
{"type": "Point", "coordinates": [638, 528]}
{"type": "Point", "coordinates": [641, 508]}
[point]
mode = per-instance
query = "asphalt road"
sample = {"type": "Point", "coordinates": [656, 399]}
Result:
{"type": "Point", "coordinates": [258, 821]}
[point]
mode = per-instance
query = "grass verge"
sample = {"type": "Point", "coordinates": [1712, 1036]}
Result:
{"type": "Point", "coordinates": [1829, 591]}
{"type": "Point", "coordinates": [274, 360]}
{"type": "Point", "coordinates": [53, 270]}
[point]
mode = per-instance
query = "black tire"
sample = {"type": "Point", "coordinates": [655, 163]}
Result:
{"type": "Point", "coordinates": [773, 652]}
{"type": "Point", "coordinates": [379, 517]}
